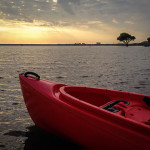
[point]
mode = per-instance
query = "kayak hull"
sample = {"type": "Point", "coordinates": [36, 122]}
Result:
{"type": "Point", "coordinates": [85, 122]}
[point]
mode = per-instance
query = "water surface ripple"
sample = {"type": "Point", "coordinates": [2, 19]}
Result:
{"type": "Point", "coordinates": [120, 68]}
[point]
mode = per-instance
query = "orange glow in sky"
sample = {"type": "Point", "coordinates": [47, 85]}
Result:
{"type": "Point", "coordinates": [22, 32]}
{"type": "Point", "coordinates": [72, 21]}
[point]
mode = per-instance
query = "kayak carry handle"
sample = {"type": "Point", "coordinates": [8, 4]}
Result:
{"type": "Point", "coordinates": [32, 73]}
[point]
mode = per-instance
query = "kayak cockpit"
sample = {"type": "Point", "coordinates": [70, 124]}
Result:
{"type": "Point", "coordinates": [84, 94]}
{"type": "Point", "coordinates": [117, 102]}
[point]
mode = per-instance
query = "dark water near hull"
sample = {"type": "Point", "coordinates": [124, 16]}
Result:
{"type": "Point", "coordinates": [119, 68]}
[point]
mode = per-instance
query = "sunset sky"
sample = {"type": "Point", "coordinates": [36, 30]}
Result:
{"type": "Point", "coordinates": [72, 21]}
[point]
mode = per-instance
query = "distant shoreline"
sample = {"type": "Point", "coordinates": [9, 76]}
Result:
{"type": "Point", "coordinates": [134, 44]}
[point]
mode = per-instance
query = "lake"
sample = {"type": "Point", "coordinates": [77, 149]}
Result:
{"type": "Point", "coordinates": [112, 67]}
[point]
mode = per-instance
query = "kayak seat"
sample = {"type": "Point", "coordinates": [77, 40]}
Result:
{"type": "Point", "coordinates": [139, 114]}
{"type": "Point", "coordinates": [134, 112]}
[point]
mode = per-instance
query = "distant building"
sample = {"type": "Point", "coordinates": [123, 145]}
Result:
{"type": "Point", "coordinates": [98, 43]}
{"type": "Point", "coordinates": [77, 43]}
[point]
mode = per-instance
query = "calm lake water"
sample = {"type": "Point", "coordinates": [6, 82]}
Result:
{"type": "Point", "coordinates": [119, 68]}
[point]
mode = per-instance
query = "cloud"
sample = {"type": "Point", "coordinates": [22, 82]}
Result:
{"type": "Point", "coordinates": [92, 15]}
{"type": "Point", "coordinates": [71, 10]}
{"type": "Point", "coordinates": [69, 5]}
{"type": "Point", "coordinates": [95, 22]}
{"type": "Point", "coordinates": [115, 21]}
{"type": "Point", "coordinates": [129, 22]}
{"type": "Point", "coordinates": [49, 10]}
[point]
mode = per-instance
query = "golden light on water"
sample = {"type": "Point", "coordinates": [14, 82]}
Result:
{"type": "Point", "coordinates": [55, 1]}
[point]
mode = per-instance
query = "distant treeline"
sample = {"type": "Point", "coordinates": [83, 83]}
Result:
{"type": "Point", "coordinates": [120, 44]}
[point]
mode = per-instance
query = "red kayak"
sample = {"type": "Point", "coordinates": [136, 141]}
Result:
{"type": "Point", "coordinates": [94, 118]}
